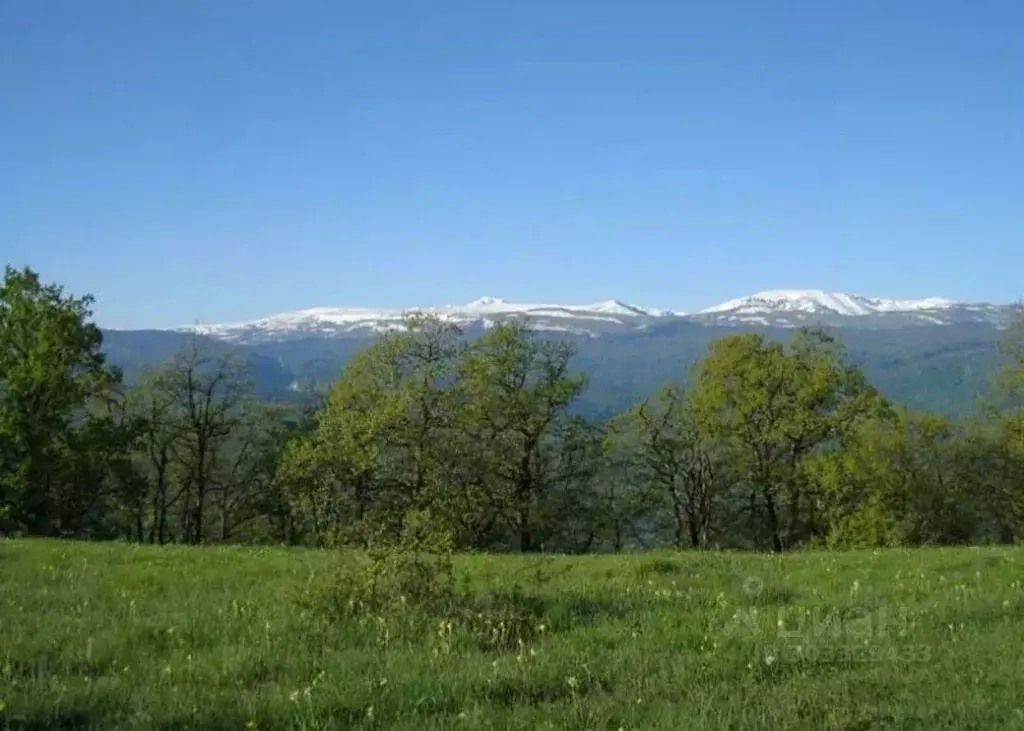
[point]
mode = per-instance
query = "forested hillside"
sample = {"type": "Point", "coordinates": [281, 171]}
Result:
{"type": "Point", "coordinates": [751, 440]}
{"type": "Point", "coordinates": [940, 368]}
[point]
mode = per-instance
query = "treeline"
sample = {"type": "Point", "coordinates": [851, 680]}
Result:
{"type": "Point", "coordinates": [768, 446]}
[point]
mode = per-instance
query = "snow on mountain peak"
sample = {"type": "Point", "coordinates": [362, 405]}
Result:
{"type": "Point", "coordinates": [774, 308]}
{"type": "Point", "coordinates": [615, 307]}
{"type": "Point", "coordinates": [928, 303]}
{"type": "Point", "coordinates": [319, 321]}
{"type": "Point", "coordinates": [485, 302]}
{"type": "Point", "coordinates": [813, 301]}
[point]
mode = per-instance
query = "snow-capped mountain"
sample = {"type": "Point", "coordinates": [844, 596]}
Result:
{"type": "Point", "coordinates": [773, 308]}
{"type": "Point", "coordinates": [794, 308]}
{"type": "Point", "coordinates": [591, 319]}
{"type": "Point", "coordinates": [815, 300]}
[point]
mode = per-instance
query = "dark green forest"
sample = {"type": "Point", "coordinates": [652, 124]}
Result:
{"type": "Point", "coordinates": [943, 368]}
{"type": "Point", "coordinates": [507, 439]}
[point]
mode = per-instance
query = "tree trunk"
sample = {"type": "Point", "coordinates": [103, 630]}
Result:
{"type": "Point", "coordinates": [524, 492]}
{"type": "Point", "coordinates": [224, 523]}
{"type": "Point", "coordinates": [157, 530]}
{"type": "Point", "coordinates": [161, 525]}
{"type": "Point", "coordinates": [755, 523]}
{"type": "Point", "coordinates": [525, 536]}
{"type": "Point", "coordinates": [773, 520]}
{"type": "Point", "coordinates": [186, 513]}
{"type": "Point", "coordinates": [694, 533]}
{"type": "Point", "coordinates": [794, 515]}
{"type": "Point", "coordinates": [140, 529]}
{"type": "Point", "coordinates": [200, 508]}
{"type": "Point", "coordinates": [680, 533]}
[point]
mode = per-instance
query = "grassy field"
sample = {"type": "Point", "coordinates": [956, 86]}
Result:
{"type": "Point", "coordinates": [113, 636]}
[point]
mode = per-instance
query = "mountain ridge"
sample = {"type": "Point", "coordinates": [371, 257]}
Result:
{"type": "Point", "coordinates": [784, 308]}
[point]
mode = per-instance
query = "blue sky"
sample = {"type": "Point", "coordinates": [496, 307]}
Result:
{"type": "Point", "coordinates": [214, 160]}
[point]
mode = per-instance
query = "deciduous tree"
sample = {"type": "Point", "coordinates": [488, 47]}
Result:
{"type": "Point", "coordinates": [517, 390]}
{"type": "Point", "coordinates": [680, 459]}
{"type": "Point", "coordinates": [53, 383]}
{"type": "Point", "coordinates": [774, 405]}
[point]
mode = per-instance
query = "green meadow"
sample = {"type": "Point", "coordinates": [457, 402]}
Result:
{"type": "Point", "coordinates": [115, 636]}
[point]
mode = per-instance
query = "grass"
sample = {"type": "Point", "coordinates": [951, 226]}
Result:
{"type": "Point", "coordinates": [113, 636]}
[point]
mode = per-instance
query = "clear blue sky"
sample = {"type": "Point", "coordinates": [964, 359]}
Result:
{"type": "Point", "coordinates": [219, 160]}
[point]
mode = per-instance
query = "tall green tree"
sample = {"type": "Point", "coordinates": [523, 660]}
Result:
{"type": "Point", "coordinates": [899, 480]}
{"type": "Point", "coordinates": [52, 379]}
{"type": "Point", "coordinates": [1005, 412]}
{"type": "Point", "coordinates": [208, 391]}
{"type": "Point", "coordinates": [533, 453]}
{"type": "Point", "coordinates": [679, 458]}
{"type": "Point", "coordinates": [626, 506]}
{"type": "Point", "coordinates": [244, 473]}
{"type": "Point", "coordinates": [158, 453]}
{"type": "Point", "coordinates": [383, 443]}
{"type": "Point", "coordinates": [774, 404]}
{"type": "Point", "coordinates": [992, 479]}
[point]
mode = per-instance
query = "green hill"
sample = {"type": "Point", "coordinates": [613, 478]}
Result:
{"type": "Point", "coordinates": [942, 368]}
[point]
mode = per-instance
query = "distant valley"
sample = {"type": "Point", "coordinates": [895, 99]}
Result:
{"type": "Point", "coordinates": [930, 353]}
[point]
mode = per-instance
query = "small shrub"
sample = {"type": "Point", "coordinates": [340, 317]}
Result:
{"type": "Point", "coordinates": [413, 575]}
{"type": "Point", "coordinates": [407, 589]}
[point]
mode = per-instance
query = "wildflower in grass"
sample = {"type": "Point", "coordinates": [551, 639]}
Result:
{"type": "Point", "coordinates": [572, 681]}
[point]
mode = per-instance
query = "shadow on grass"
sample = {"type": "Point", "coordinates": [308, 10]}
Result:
{"type": "Point", "coordinates": [771, 596]}
{"type": "Point", "coordinates": [874, 722]}
{"type": "Point", "coordinates": [341, 716]}
{"type": "Point", "coordinates": [512, 692]}
{"type": "Point", "coordinates": [561, 613]}
{"type": "Point", "coordinates": [52, 664]}
{"type": "Point", "coordinates": [502, 620]}
{"type": "Point", "coordinates": [60, 721]}
{"type": "Point", "coordinates": [659, 567]}
{"type": "Point", "coordinates": [258, 673]}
